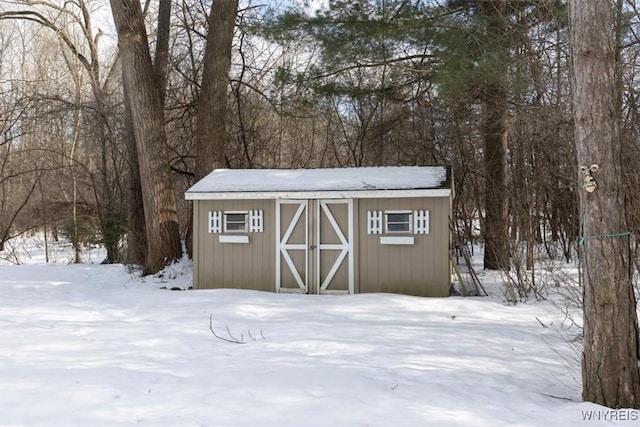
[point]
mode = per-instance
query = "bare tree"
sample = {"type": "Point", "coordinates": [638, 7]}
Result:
{"type": "Point", "coordinates": [78, 44]}
{"type": "Point", "coordinates": [161, 218]}
{"type": "Point", "coordinates": [136, 236]}
{"type": "Point", "coordinates": [610, 365]}
{"type": "Point", "coordinates": [212, 106]}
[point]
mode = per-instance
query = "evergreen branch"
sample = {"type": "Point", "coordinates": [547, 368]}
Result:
{"type": "Point", "coordinates": [360, 65]}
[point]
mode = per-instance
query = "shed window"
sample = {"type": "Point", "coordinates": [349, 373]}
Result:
{"type": "Point", "coordinates": [398, 221]}
{"type": "Point", "coordinates": [235, 221]}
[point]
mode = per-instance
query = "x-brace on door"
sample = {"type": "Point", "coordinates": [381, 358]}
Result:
{"type": "Point", "coordinates": [334, 261]}
{"type": "Point", "coordinates": [292, 246]}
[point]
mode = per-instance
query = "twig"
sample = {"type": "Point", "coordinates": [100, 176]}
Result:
{"type": "Point", "coordinates": [540, 321]}
{"type": "Point", "coordinates": [233, 340]}
{"type": "Point", "coordinates": [557, 397]}
{"type": "Point", "coordinates": [232, 337]}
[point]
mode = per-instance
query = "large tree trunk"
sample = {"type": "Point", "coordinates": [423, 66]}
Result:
{"type": "Point", "coordinates": [496, 221]}
{"type": "Point", "coordinates": [212, 106]}
{"type": "Point", "coordinates": [136, 236]}
{"type": "Point", "coordinates": [494, 101]}
{"type": "Point", "coordinates": [161, 218]}
{"type": "Point", "coordinates": [610, 372]}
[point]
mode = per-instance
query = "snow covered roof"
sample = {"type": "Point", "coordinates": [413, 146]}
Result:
{"type": "Point", "coordinates": [347, 182]}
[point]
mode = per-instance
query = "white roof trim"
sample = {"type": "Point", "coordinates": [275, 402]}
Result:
{"type": "Point", "coordinates": [357, 194]}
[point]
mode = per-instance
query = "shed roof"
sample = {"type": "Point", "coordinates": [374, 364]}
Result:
{"type": "Point", "coordinates": [349, 182]}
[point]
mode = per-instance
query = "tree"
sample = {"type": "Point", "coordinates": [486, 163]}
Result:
{"type": "Point", "coordinates": [212, 105]}
{"type": "Point", "coordinates": [136, 229]}
{"type": "Point", "coordinates": [610, 370]}
{"type": "Point", "coordinates": [161, 217]}
{"type": "Point", "coordinates": [494, 97]}
{"type": "Point", "coordinates": [475, 43]}
{"type": "Point", "coordinates": [378, 52]}
{"type": "Point", "coordinates": [78, 44]}
{"type": "Point", "coordinates": [136, 235]}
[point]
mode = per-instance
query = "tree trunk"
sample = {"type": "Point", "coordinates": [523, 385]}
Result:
{"type": "Point", "coordinates": [494, 129]}
{"type": "Point", "coordinates": [136, 235]}
{"type": "Point", "coordinates": [610, 372]}
{"type": "Point", "coordinates": [496, 255]}
{"type": "Point", "coordinates": [212, 106]}
{"type": "Point", "coordinates": [161, 218]}
{"type": "Point", "coordinates": [162, 47]}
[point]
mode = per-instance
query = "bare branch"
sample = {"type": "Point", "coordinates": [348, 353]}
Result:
{"type": "Point", "coordinates": [233, 340]}
{"type": "Point", "coordinates": [38, 18]}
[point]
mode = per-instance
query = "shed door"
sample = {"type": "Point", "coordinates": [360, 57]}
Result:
{"type": "Point", "coordinates": [334, 246]}
{"type": "Point", "coordinates": [292, 249]}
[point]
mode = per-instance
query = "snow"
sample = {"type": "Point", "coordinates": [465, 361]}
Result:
{"type": "Point", "coordinates": [342, 179]}
{"type": "Point", "coordinates": [95, 345]}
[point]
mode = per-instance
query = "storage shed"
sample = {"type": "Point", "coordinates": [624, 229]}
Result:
{"type": "Point", "coordinates": [348, 230]}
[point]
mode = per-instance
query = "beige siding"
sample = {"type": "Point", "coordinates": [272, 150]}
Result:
{"type": "Point", "coordinates": [234, 265]}
{"type": "Point", "coordinates": [419, 269]}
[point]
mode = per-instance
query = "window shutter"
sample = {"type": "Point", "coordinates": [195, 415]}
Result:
{"type": "Point", "coordinates": [215, 221]}
{"type": "Point", "coordinates": [255, 221]}
{"type": "Point", "coordinates": [421, 222]}
{"type": "Point", "coordinates": [374, 222]}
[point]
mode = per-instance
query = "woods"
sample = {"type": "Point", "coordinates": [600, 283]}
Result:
{"type": "Point", "coordinates": [100, 139]}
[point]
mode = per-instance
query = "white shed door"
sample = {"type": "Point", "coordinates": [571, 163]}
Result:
{"type": "Point", "coordinates": [292, 246]}
{"type": "Point", "coordinates": [314, 246]}
{"type": "Point", "coordinates": [334, 257]}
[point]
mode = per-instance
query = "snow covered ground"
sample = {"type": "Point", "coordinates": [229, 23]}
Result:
{"type": "Point", "coordinates": [93, 345]}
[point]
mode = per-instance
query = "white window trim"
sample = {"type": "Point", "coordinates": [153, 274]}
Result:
{"type": "Point", "coordinates": [404, 211]}
{"type": "Point", "coordinates": [246, 221]}
{"type": "Point", "coordinates": [233, 239]}
{"type": "Point", "coordinates": [396, 240]}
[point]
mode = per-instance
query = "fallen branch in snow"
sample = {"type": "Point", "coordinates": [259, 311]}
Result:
{"type": "Point", "coordinates": [231, 338]}
{"type": "Point", "coordinates": [558, 397]}
{"type": "Point", "coordinates": [543, 325]}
